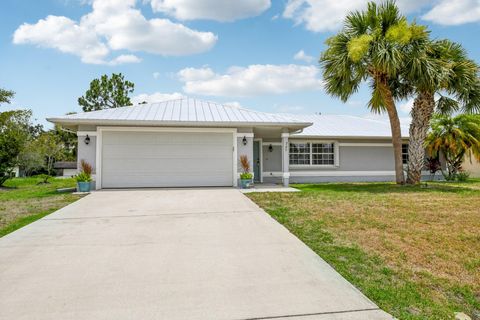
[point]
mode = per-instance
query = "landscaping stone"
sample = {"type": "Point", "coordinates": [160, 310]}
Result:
{"type": "Point", "coordinates": [461, 316]}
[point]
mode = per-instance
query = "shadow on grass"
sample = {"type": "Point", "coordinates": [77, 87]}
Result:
{"type": "Point", "coordinates": [384, 187]}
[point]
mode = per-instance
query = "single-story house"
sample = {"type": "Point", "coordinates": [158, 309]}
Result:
{"type": "Point", "coordinates": [189, 142]}
{"type": "Point", "coordinates": [472, 166]}
{"type": "Point", "coordinates": [65, 168]}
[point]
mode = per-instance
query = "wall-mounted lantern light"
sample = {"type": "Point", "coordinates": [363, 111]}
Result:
{"type": "Point", "coordinates": [244, 140]}
{"type": "Point", "coordinates": [87, 140]}
{"type": "Point", "coordinates": [270, 148]}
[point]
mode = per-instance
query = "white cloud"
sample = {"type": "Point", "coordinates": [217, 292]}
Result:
{"type": "Point", "coordinates": [328, 15]}
{"type": "Point", "coordinates": [219, 10]}
{"type": "Point", "coordinates": [196, 74]}
{"type": "Point", "coordinates": [449, 12]}
{"type": "Point", "coordinates": [155, 97]}
{"type": "Point", "coordinates": [64, 35]}
{"type": "Point", "coordinates": [114, 25]}
{"type": "Point", "coordinates": [251, 81]}
{"type": "Point", "coordinates": [156, 75]}
{"type": "Point", "coordinates": [302, 56]}
{"type": "Point", "coordinates": [125, 58]}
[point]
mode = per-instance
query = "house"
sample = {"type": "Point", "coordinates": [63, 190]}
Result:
{"type": "Point", "coordinates": [65, 168]}
{"type": "Point", "coordinates": [471, 165]}
{"type": "Point", "coordinates": [190, 142]}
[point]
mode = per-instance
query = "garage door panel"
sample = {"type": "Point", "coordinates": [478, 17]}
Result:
{"type": "Point", "coordinates": [169, 151]}
{"type": "Point", "coordinates": [166, 159]}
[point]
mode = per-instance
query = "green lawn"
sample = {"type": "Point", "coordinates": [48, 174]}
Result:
{"type": "Point", "coordinates": [415, 251]}
{"type": "Point", "coordinates": [24, 201]}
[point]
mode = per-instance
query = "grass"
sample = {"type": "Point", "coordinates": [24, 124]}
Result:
{"type": "Point", "coordinates": [415, 251]}
{"type": "Point", "coordinates": [24, 201]}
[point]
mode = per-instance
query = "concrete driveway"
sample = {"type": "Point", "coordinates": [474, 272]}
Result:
{"type": "Point", "coordinates": [169, 254]}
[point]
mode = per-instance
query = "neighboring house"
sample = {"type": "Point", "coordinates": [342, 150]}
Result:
{"type": "Point", "coordinates": [471, 165]}
{"type": "Point", "coordinates": [189, 142]}
{"type": "Point", "coordinates": [65, 168]}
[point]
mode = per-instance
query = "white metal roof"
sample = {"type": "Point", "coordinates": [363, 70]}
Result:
{"type": "Point", "coordinates": [184, 111]}
{"type": "Point", "coordinates": [346, 126]}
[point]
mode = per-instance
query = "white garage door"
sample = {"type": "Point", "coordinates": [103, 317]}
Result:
{"type": "Point", "coordinates": [166, 159]}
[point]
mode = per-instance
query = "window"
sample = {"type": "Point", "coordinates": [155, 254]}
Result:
{"type": "Point", "coordinates": [405, 153]}
{"type": "Point", "coordinates": [316, 154]}
{"type": "Point", "coordinates": [299, 153]}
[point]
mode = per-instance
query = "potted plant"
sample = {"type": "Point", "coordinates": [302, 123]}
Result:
{"type": "Point", "coordinates": [83, 182]}
{"type": "Point", "coordinates": [246, 176]}
{"type": "Point", "coordinates": [84, 178]}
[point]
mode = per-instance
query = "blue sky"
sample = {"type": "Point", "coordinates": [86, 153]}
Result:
{"type": "Point", "coordinates": [260, 54]}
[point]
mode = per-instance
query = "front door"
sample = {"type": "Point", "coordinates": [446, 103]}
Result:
{"type": "Point", "coordinates": [256, 161]}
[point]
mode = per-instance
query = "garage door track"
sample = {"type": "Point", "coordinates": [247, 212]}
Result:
{"type": "Point", "coordinates": [169, 254]}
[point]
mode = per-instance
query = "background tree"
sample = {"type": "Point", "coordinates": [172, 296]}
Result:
{"type": "Point", "coordinates": [14, 132]}
{"type": "Point", "coordinates": [50, 148]}
{"type": "Point", "coordinates": [371, 46]}
{"type": "Point", "coordinates": [68, 140]}
{"type": "Point", "coordinates": [455, 138]}
{"type": "Point", "coordinates": [434, 67]}
{"type": "Point", "coordinates": [6, 96]}
{"type": "Point", "coordinates": [107, 93]}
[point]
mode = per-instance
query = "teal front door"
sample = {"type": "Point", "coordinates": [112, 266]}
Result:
{"type": "Point", "coordinates": [256, 161]}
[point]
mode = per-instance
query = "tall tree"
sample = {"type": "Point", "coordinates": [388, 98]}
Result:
{"type": "Point", "coordinates": [371, 47]}
{"type": "Point", "coordinates": [434, 67]}
{"type": "Point", "coordinates": [107, 92]}
{"type": "Point", "coordinates": [455, 138]}
{"type": "Point", "coordinates": [14, 132]}
{"type": "Point", "coordinates": [6, 96]}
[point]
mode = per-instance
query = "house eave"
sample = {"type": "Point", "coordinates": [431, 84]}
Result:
{"type": "Point", "coordinates": [153, 123]}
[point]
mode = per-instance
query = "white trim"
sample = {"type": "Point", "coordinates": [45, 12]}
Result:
{"type": "Point", "coordinates": [260, 147]}
{"type": "Point", "coordinates": [234, 156]}
{"type": "Point", "coordinates": [167, 129]}
{"type": "Point", "coordinates": [279, 174]}
{"type": "Point", "coordinates": [340, 173]}
{"type": "Point", "coordinates": [285, 135]}
{"type": "Point", "coordinates": [99, 146]}
{"type": "Point", "coordinates": [246, 135]}
{"type": "Point", "coordinates": [84, 133]}
{"type": "Point", "coordinates": [98, 160]}
{"type": "Point", "coordinates": [272, 174]}
{"type": "Point", "coordinates": [274, 144]}
{"type": "Point", "coordinates": [286, 175]}
{"type": "Point", "coordinates": [353, 144]}
{"type": "Point", "coordinates": [336, 154]}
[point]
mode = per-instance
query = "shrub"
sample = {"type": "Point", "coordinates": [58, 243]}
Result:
{"type": "Point", "coordinates": [463, 176]}
{"type": "Point", "coordinates": [86, 167]}
{"type": "Point", "coordinates": [83, 177]}
{"type": "Point", "coordinates": [245, 164]}
{"type": "Point", "coordinates": [246, 176]}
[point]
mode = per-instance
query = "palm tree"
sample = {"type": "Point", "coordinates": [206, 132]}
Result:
{"type": "Point", "coordinates": [371, 46]}
{"type": "Point", "coordinates": [454, 138]}
{"type": "Point", "coordinates": [431, 68]}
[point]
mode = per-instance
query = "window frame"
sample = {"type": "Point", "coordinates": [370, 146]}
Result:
{"type": "Point", "coordinates": [405, 157]}
{"type": "Point", "coordinates": [336, 159]}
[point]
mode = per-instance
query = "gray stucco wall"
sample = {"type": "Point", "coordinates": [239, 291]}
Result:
{"type": "Point", "coordinates": [87, 152]}
{"type": "Point", "coordinates": [272, 161]}
{"type": "Point", "coordinates": [244, 150]}
{"type": "Point", "coordinates": [366, 159]}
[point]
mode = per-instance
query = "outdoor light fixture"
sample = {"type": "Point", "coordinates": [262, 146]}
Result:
{"type": "Point", "coordinates": [270, 148]}
{"type": "Point", "coordinates": [87, 140]}
{"type": "Point", "coordinates": [244, 140]}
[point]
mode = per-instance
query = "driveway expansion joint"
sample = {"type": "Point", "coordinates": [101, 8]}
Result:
{"type": "Point", "coordinates": [311, 314]}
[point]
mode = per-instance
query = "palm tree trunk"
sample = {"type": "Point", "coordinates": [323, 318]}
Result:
{"type": "Point", "coordinates": [395, 128]}
{"type": "Point", "coordinates": [422, 111]}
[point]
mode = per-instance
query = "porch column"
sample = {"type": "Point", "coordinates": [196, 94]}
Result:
{"type": "Point", "coordinates": [285, 159]}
